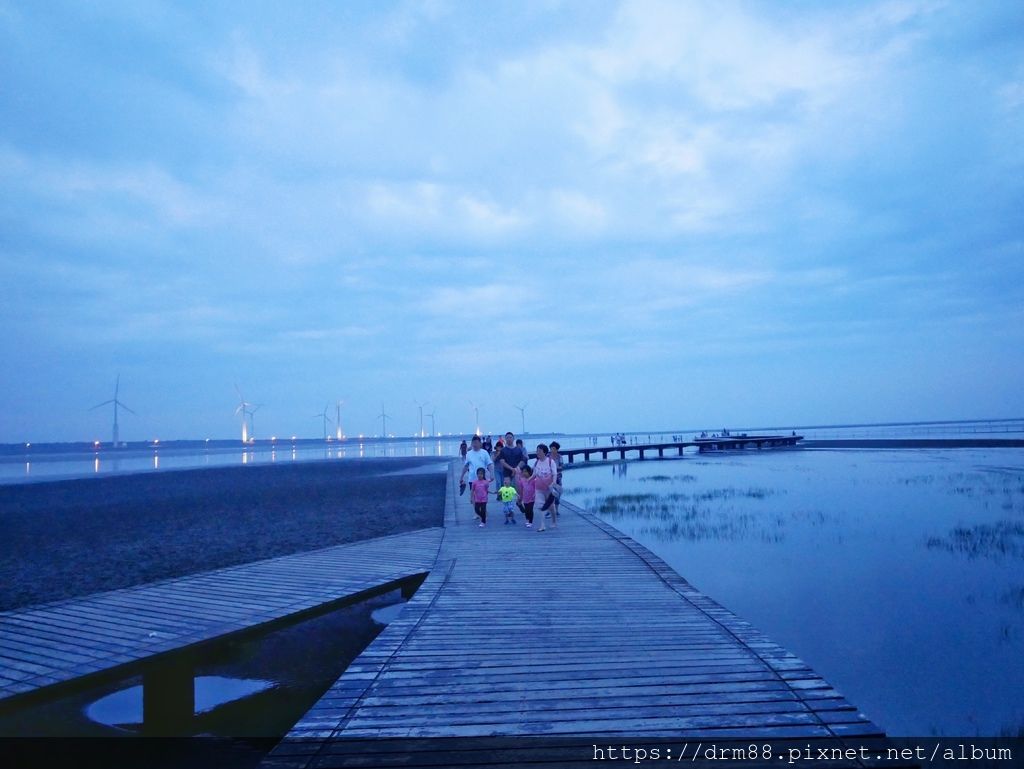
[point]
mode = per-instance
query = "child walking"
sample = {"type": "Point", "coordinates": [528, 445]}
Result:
{"type": "Point", "coordinates": [528, 494]}
{"type": "Point", "coordinates": [508, 495]}
{"type": "Point", "coordinates": [478, 495]}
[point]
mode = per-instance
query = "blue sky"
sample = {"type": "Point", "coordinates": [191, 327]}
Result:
{"type": "Point", "coordinates": [631, 215]}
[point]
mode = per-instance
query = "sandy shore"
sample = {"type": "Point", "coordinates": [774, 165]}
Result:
{"type": "Point", "coordinates": [72, 538]}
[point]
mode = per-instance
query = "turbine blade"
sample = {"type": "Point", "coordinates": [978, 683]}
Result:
{"type": "Point", "coordinates": [101, 404]}
{"type": "Point", "coordinates": [126, 408]}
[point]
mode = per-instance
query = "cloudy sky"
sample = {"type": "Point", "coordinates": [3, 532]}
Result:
{"type": "Point", "coordinates": [629, 215]}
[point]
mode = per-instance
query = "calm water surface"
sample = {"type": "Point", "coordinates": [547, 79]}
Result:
{"type": "Point", "coordinates": [898, 575]}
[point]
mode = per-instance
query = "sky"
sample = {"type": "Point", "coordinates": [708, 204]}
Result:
{"type": "Point", "coordinates": [622, 215]}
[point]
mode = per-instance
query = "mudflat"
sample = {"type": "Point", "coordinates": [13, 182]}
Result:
{"type": "Point", "coordinates": [71, 538]}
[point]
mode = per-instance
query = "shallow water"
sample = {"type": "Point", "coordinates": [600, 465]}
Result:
{"type": "Point", "coordinates": [897, 575]}
{"type": "Point", "coordinates": [249, 692]}
{"type": "Point", "coordinates": [124, 707]}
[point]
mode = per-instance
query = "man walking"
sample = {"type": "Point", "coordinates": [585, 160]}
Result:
{"type": "Point", "coordinates": [512, 457]}
{"type": "Point", "coordinates": [476, 459]}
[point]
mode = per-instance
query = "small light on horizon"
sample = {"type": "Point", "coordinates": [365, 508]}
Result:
{"type": "Point", "coordinates": [273, 438]}
{"type": "Point", "coordinates": [293, 437]}
{"type": "Point", "coordinates": [96, 444]}
{"type": "Point", "coordinates": [28, 445]}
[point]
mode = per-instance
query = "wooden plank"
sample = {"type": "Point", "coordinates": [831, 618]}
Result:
{"type": "Point", "coordinates": [579, 630]}
{"type": "Point", "coordinates": [64, 640]}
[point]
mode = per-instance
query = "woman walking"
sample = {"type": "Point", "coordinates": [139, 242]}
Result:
{"type": "Point", "coordinates": [556, 487]}
{"type": "Point", "coordinates": [545, 471]}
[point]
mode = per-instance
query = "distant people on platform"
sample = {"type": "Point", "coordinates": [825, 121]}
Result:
{"type": "Point", "coordinates": [463, 448]}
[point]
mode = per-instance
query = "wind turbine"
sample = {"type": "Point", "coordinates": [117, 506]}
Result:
{"type": "Point", "coordinates": [421, 405]}
{"type": "Point", "coordinates": [325, 418]}
{"type": "Point", "coordinates": [244, 408]}
{"type": "Point", "coordinates": [522, 414]}
{"type": "Point", "coordinates": [337, 422]}
{"type": "Point", "coordinates": [476, 416]}
{"type": "Point", "coordinates": [384, 421]}
{"type": "Point", "coordinates": [117, 404]}
{"type": "Point", "coordinates": [252, 420]}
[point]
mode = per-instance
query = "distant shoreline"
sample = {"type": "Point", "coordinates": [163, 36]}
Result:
{"type": "Point", "coordinates": [912, 443]}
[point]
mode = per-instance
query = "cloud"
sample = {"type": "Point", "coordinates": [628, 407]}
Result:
{"type": "Point", "coordinates": [643, 185]}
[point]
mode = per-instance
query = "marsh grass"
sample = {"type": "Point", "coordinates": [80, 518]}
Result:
{"type": "Point", "coordinates": [1003, 539]}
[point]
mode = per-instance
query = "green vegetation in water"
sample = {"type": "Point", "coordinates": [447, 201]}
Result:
{"type": "Point", "coordinates": [670, 478]}
{"type": "Point", "coordinates": [999, 540]}
{"type": "Point", "coordinates": [678, 516]}
{"type": "Point", "coordinates": [1014, 597]}
{"type": "Point", "coordinates": [583, 490]}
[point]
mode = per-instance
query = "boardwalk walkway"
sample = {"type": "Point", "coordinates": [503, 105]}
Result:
{"type": "Point", "coordinates": [116, 632]}
{"type": "Point", "coordinates": [575, 631]}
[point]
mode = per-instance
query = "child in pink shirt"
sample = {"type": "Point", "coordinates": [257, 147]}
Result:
{"type": "Point", "coordinates": [527, 493]}
{"type": "Point", "coordinates": [478, 495]}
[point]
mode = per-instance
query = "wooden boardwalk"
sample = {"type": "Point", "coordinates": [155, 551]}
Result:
{"type": "Point", "coordinates": [115, 633]}
{"type": "Point", "coordinates": [578, 630]}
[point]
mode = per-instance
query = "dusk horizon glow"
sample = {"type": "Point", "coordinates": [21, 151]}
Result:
{"type": "Point", "coordinates": [625, 215]}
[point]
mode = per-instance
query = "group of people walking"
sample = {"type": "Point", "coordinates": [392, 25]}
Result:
{"type": "Point", "coordinates": [518, 485]}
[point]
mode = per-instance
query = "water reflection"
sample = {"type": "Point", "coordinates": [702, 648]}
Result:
{"type": "Point", "coordinates": [123, 708]}
{"type": "Point", "coordinates": [876, 567]}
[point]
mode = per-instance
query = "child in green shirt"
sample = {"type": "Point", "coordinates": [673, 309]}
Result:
{"type": "Point", "coordinates": [508, 496]}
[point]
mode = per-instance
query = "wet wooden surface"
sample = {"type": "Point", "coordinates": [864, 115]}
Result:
{"type": "Point", "coordinates": [577, 630]}
{"type": "Point", "coordinates": [56, 643]}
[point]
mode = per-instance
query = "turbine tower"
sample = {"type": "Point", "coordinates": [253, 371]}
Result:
{"type": "Point", "coordinates": [384, 421]}
{"type": "Point", "coordinates": [245, 409]}
{"type": "Point", "coordinates": [326, 418]}
{"type": "Point", "coordinates": [117, 404]}
{"type": "Point", "coordinates": [476, 416]}
{"type": "Point", "coordinates": [421, 405]}
{"type": "Point", "coordinates": [337, 422]}
{"type": "Point", "coordinates": [433, 431]}
{"type": "Point", "coordinates": [522, 415]}
{"type": "Point", "coordinates": [252, 421]}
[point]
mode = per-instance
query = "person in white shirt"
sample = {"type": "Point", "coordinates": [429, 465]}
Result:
{"type": "Point", "coordinates": [476, 459]}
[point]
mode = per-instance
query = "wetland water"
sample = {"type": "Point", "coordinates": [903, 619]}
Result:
{"type": "Point", "coordinates": [896, 574]}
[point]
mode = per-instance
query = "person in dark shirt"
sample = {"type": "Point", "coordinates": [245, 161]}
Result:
{"type": "Point", "coordinates": [512, 457]}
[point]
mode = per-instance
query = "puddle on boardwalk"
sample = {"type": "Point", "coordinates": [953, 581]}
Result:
{"type": "Point", "coordinates": [248, 693]}
{"type": "Point", "coordinates": [123, 708]}
{"type": "Point", "coordinates": [386, 614]}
